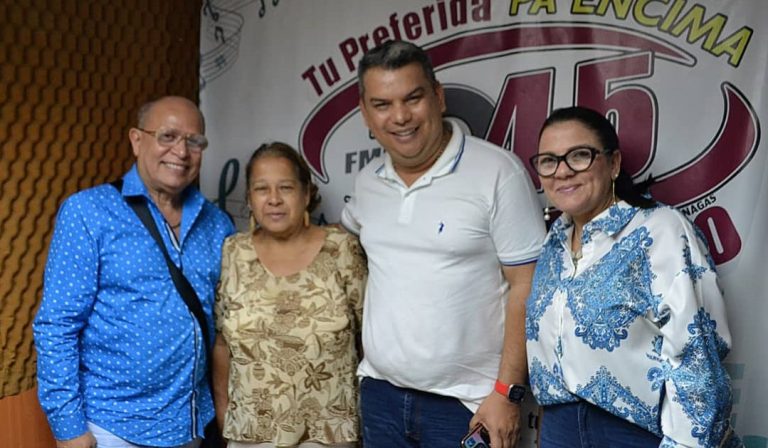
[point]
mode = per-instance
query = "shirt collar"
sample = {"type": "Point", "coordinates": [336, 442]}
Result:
{"type": "Point", "coordinates": [610, 221]}
{"type": "Point", "coordinates": [133, 185]}
{"type": "Point", "coordinates": [444, 165]}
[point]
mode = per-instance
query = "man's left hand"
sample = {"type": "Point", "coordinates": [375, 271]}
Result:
{"type": "Point", "coordinates": [501, 419]}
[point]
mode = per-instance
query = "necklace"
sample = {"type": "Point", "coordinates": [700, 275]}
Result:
{"type": "Point", "coordinates": [576, 255]}
{"type": "Point", "coordinates": [174, 226]}
{"type": "Point", "coordinates": [439, 153]}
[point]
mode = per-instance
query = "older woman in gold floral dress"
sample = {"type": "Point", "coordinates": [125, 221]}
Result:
{"type": "Point", "coordinates": [287, 313]}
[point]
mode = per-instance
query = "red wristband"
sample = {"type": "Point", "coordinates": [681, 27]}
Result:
{"type": "Point", "coordinates": [501, 388]}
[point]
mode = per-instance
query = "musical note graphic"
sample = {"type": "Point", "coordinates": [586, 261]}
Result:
{"type": "Point", "coordinates": [222, 29]}
{"type": "Point", "coordinates": [208, 10]}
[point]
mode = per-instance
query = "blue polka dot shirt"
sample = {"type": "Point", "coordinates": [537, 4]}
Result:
{"type": "Point", "coordinates": [117, 346]}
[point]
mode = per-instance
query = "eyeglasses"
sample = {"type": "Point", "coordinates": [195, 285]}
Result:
{"type": "Point", "coordinates": [168, 138]}
{"type": "Point", "coordinates": [578, 159]}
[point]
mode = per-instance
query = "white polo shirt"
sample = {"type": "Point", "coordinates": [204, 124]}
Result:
{"type": "Point", "coordinates": [433, 318]}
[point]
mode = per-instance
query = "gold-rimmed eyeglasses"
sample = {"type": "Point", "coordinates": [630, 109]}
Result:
{"type": "Point", "coordinates": [168, 138]}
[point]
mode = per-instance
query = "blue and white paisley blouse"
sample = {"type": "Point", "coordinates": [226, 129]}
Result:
{"type": "Point", "coordinates": [637, 326]}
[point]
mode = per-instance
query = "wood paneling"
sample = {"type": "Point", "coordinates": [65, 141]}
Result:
{"type": "Point", "coordinates": [72, 75]}
{"type": "Point", "coordinates": [22, 422]}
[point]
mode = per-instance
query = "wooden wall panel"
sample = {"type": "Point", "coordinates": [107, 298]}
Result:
{"type": "Point", "coordinates": [72, 75]}
{"type": "Point", "coordinates": [23, 422]}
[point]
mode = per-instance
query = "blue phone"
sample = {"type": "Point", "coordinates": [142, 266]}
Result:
{"type": "Point", "coordinates": [477, 438]}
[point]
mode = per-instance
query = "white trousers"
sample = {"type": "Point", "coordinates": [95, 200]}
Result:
{"type": "Point", "coordinates": [105, 439]}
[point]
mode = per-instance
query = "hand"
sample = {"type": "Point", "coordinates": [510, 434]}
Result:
{"type": "Point", "coordinates": [501, 419]}
{"type": "Point", "coordinates": [85, 441]}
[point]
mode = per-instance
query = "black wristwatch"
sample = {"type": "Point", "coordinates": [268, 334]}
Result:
{"type": "Point", "coordinates": [514, 392]}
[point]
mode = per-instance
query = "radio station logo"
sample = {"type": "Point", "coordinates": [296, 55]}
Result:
{"type": "Point", "coordinates": [610, 84]}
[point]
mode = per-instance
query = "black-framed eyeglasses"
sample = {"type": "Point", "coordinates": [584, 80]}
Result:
{"type": "Point", "coordinates": [168, 138]}
{"type": "Point", "coordinates": [578, 159]}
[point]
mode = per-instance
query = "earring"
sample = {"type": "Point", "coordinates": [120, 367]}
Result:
{"type": "Point", "coordinates": [306, 218]}
{"type": "Point", "coordinates": [548, 211]}
{"type": "Point", "coordinates": [613, 189]}
{"type": "Point", "coordinates": [252, 224]}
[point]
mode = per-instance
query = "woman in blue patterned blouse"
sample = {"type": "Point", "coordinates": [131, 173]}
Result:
{"type": "Point", "coordinates": [626, 327]}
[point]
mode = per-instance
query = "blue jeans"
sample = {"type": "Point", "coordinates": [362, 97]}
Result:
{"type": "Point", "coordinates": [394, 417]}
{"type": "Point", "coordinates": [583, 425]}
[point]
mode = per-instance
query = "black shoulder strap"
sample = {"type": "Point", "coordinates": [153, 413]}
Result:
{"type": "Point", "coordinates": [139, 206]}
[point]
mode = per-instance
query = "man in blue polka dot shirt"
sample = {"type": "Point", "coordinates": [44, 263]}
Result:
{"type": "Point", "coordinates": [121, 360]}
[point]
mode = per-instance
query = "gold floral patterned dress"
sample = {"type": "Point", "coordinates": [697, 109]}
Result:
{"type": "Point", "coordinates": [292, 341]}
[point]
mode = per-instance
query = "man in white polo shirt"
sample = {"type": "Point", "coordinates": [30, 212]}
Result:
{"type": "Point", "coordinates": [452, 228]}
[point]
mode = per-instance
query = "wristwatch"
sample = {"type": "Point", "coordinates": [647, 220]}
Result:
{"type": "Point", "coordinates": [514, 392]}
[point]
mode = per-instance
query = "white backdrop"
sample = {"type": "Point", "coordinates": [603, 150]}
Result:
{"type": "Point", "coordinates": [684, 81]}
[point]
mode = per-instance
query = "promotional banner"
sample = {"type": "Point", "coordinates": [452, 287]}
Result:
{"type": "Point", "coordinates": [684, 82]}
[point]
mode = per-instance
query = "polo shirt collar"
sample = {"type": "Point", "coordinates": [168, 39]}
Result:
{"type": "Point", "coordinates": [444, 165]}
